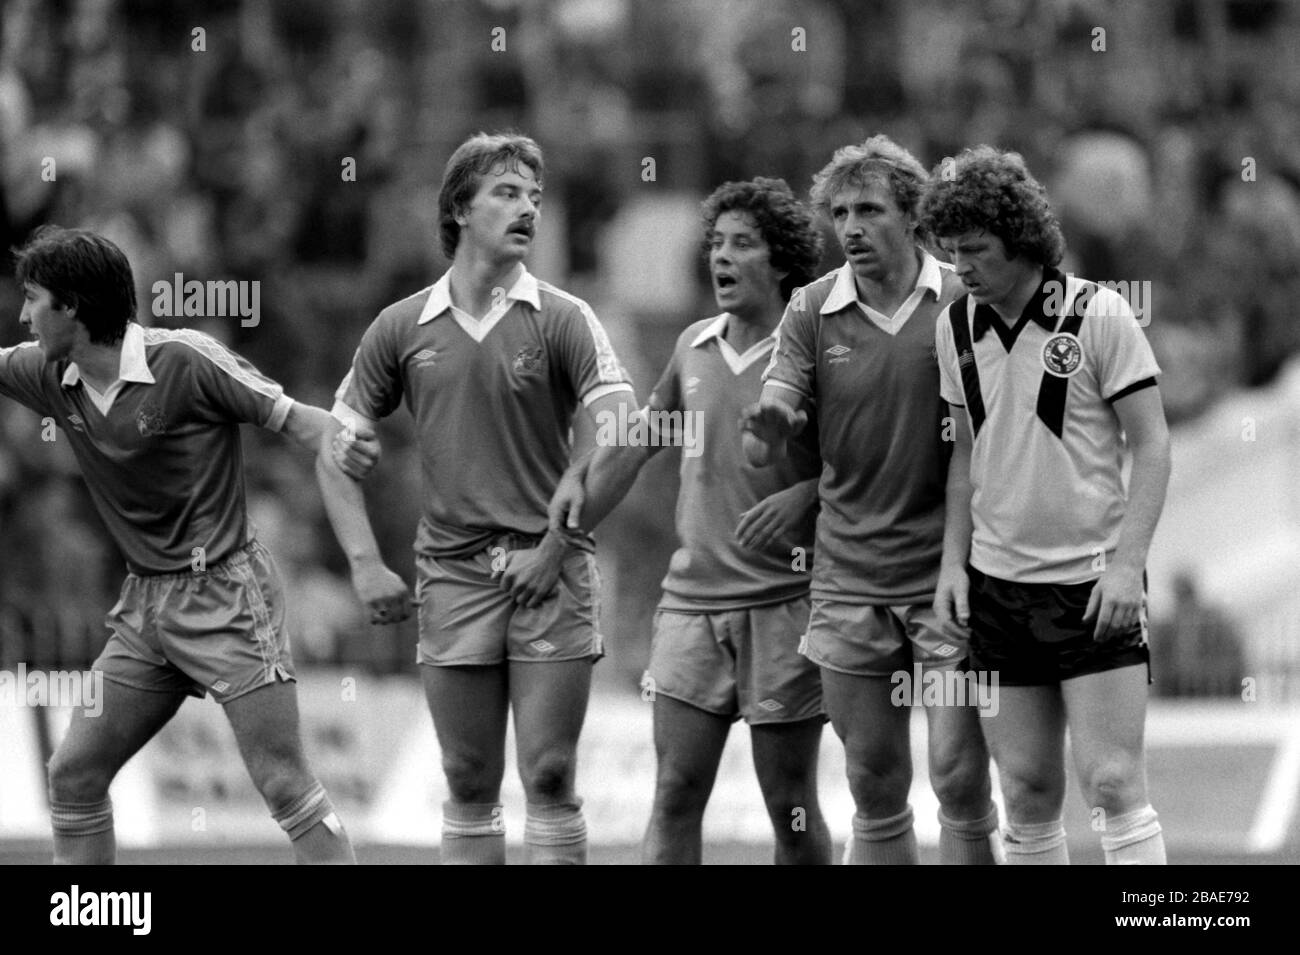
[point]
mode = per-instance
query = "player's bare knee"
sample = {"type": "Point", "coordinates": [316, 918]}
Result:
{"type": "Point", "coordinates": [680, 793]}
{"type": "Point", "coordinates": [76, 779]}
{"type": "Point", "coordinates": [471, 778]}
{"type": "Point", "coordinates": [549, 777]}
{"type": "Point", "coordinates": [788, 789]}
{"type": "Point", "coordinates": [1031, 795]}
{"type": "Point", "coordinates": [280, 776]}
{"type": "Point", "coordinates": [877, 782]}
{"type": "Point", "coordinates": [878, 776]}
{"type": "Point", "coordinates": [1113, 784]}
{"type": "Point", "coordinates": [793, 811]}
{"type": "Point", "coordinates": [959, 781]}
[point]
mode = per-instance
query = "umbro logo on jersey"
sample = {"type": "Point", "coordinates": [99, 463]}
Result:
{"type": "Point", "coordinates": [542, 646]}
{"type": "Point", "coordinates": [691, 384]}
{"type": "Point", "coordinates": [76, 422]}
{"type": "Point", "coordinates": [945, 650]}
{"type": "Point", "coordinates": [221, 686]}
{"type": "Point", "coordinates": [425, 356]}
{"type": "Point", "coordinates": [771, 705]}
{"type": "Point", "coordinates": [838, 353]}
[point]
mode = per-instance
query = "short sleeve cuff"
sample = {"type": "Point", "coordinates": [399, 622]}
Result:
{"type": "Point", "coordinates": [1148, 382]}
{"type": "Point", "coordinates": [348, 417]}
{"type": "Point", "coordinates": [600, 391]}
{"type": "Point", "coordinates": [279, 414]}
{"type": "Point", "coordinates": [787, 386]}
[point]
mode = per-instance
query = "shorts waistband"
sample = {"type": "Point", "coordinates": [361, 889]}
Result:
{"type": "Point", "coordinates": [237, 557]}
{"type": "Point", "coordinates": [515, 541]}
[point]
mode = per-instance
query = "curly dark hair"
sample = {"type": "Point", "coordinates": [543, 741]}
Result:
{"type": "Point", "coordinates": [786, 224]}
{"type": "Point", "coordinates": [987, 190]}
{"type": "Point", "coordinates": [472, 160]}
{"type": "Point", "coordinates": [856, 165]}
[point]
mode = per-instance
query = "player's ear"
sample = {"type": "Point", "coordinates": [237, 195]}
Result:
{"type": "Point", "coordinates": [460, 212]}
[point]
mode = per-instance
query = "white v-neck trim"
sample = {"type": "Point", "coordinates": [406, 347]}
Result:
{"type": "Point", "coordinates": [735, 361]}
{"type": "Point", "coordinates": [103, 402]}
{"type": "Point", "coordinates": [845, 292]}
{"type": "Point", "coordinates": [478, 328]}
{"type": "Point", "coordinates": [525, 289]}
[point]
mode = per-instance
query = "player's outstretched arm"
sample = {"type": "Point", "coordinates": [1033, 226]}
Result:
{"type": "Point", "coordinates": [951, 597]}
{"type": "Point", "coordinates": [383, 592]}
{"type": "Point", "coordinates": [601, 476]}
{"type": "Point", "coordinates": [770, 422]}
{"type": "Point", "coordinates": [1117, 598]}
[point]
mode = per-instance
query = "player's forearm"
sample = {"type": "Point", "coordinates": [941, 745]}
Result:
{"type": "Point", "coordinates": [769, 423]}
{"type": "Point", "coordinates": [808, 492]}
{"type": "Point", "coordinates": [958, 525]}
{"type": "Point", "coordinates": [777, 392]}
{"type": "Point", "coordinates": [612, 473]}
{"type": "Point", "coordinates": [307, 425]}
{"type": "Point", "coordinates": [1148, 484]}
{"type": "Point", "coordinates": [346, 506]}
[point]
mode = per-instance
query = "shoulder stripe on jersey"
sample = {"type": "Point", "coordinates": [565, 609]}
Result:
{"type": "Point", "coordinates": [608, 369]}
{"type": "Point", "coordinates": [13, 348]}
{"type": "Point", "coordinates": [1053, 390]}
{"type": "Point", "coordinates": [217, 353]}
{"type": "Point", "coordinates": [959, 318]}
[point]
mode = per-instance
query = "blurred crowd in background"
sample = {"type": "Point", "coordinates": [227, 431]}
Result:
{"type": "Point", "coordinates": [212, 138]}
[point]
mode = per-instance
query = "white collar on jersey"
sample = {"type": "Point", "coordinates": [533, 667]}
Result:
{"type": "Point", "coordinates": [845, 291]}
{"type": "Point", "coordinates": [133, 365]}
{"type": "Point", "coordinates": [524, 290]}
{"type": "Point", "coordinates": [736, 362]}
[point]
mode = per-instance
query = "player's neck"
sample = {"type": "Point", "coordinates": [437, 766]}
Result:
{"type": "Point", "coordinates": [478, 284]}
{"type": "Point", "coordinates": [747, 327]}
{"type": "Point", "coordinates": [99, 365]}
{"type": "Point", "coordinates": [1012, 305]}
{"type": "Point", "coordinates": [887, 294]}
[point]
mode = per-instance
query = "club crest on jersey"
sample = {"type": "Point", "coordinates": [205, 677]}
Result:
{"type": "Point", "coordinates": [149, 421]}
{"type": "Point", "coordinates": [1062, 355]}
{"type": "Point", "coordinates": [528, 361]}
